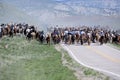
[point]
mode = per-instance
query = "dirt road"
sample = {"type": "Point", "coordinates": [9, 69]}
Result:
{"type": "Point", "coordinates": [103, 58]}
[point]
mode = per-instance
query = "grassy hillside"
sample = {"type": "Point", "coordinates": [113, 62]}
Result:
{"type": "Point", "coordinates": [29, 60]}
{"type": "Point", "coordinates": [23, 60]}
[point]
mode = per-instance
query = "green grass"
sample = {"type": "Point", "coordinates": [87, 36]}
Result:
{"type": "Point", "coordinates": [24, 60]}
{"type": "Point", "coordinates": [90, 72]}
{"type": "Point", "coordinates": [117, 45]}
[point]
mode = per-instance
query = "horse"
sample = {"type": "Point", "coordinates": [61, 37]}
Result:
{"type": "Point", "coordinates": [101, 40]}
{"type": "Point", "coordinates": [5, 30]}
{"type": "Point", "coordinates": [0, 32]}
{"type": "Point", "coordinates": [15, 30]}
{"type": "Point", "coordinates": [20, 30]}
{"type": "Point", "coordinates": [41, 37]}
{"type": "Point", "coordinates": [106, 38]}
{"type": "Point", "coordinates": [29, 36]}
{"type": "Point", "coordinates": [53, 36]}
{"type": "Point", "coordinates": [73, 37]}
{"type": "Point", "coordinates": [62, 36]}
{"type": "Point", "coordinates": [48, 39]}
{"type": "Point", "coordinates": [97, 37]}
{"type": "Point", "coordinates": [77, 37]}
{"type": "Point", "coordinates": [81, 39]}
{"type": "Point", "coordinates": [11, 30]}
{"type": "Point", "coordinates": [11, 33]}
{"type": "Point", "coordinates": [94, 37]}
{"type": "Point", "coordinates": [66, 38]}
{"type": "Point", "coordinates": [69, 39]}
{"type": "Point", "coordinates": [116, 39]}
{"type": "Point", "coordinates": [33, 34]}
{"type": "Point", "coordinates": [88, 37]}
{"type": "Point", "coordinates": [119, 39]}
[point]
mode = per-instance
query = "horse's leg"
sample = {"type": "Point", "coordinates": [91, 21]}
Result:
{"type": "Point", "coordinates": [77, 40]}
{"type": "Point", "coordinates": [0, 35]}
{"type": "Point", "coordinates": [102, 40]}
{"type": "Point", "coordinates": [12, 34]}
{"type": "Point", "coordinates": [70, 41]}
{"type": "Point", "coordinates": [48, 42]}
{"type": "Point", "coordinates": [88, 41]}
{"type": "Point", "coordinates": [81, 41]}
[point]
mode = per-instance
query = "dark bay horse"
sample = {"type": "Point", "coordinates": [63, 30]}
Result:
{"type": "Point", "coordinates": [48, 39]}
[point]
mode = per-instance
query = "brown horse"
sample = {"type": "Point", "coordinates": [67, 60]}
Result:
{"type": "Point", "coordinates": [101, 40]}
{"type": "Point", "coordinates": [82, 38]}
{"type": "Point", "coordinates": [77, 37]}
{"type": "Point", "coordinates": [119, 39]}
{"type": "Point", "coordinates": [5, 31]}
{"type": "Point", "coordinates": [97, 37]}
{"type": "Point", "coordinates": [15, 30]}
{"type": "Point", "coordinates": [107, 37]}
{"type": "Point", "coordinates": [8, 28]}
{"type": "Point", "coordinates": [33, 34]}
{"type": "Point", "coordinates": [62, 36]}
{"type": "Point", "coordinates": [88, 39]}
{"type": "Point", "coordinates": [69, 39]}
{"type": "Point", "coordinates": [85, 38]}
{"type": "Point", "coordinates": [48, 39]}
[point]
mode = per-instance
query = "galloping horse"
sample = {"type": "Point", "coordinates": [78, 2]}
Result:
{"type": "Point", "coordinates": [48, 39]}
{"type": "Point", "coordinates": [69, 39]}
{"type": "Point", "coordinates": [16, 29]}
{"type": "Point", "coordinates": [41, 37]}
{"type": "Point", "coordinates": [62, 36]}
{"type": "Point", "coordinates": [107, 37]}
{"type": "Point", "coordinates": [33, 34]}
{"type": "Point", "coordinates": [119, 39]}
{"type": "Point", "coordinates": [73, 37]}
{"type": "Point", "coordinates": [6, 29]}
{"type": "Point", "coordinates": [97, 37]}
{"type": "Point", "coordinates": [82, 38]}
{"type": "Point", "coordinates": [0, 32]}
{"type": "Point", "coordinates": [77, 37]}
{"type": "Point", "coordinates": [101, 40]}
{"type": "Point", "coordinates": [88, 38]}
{"type": "Point", "coordinates": [116, 39]}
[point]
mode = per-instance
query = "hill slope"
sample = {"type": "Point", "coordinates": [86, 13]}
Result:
{"type": "Point", "coordinates": [24, 60]}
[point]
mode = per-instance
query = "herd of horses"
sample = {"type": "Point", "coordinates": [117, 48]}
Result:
{"type": "Point", "coordinates": [30, 32]}
{"type": "Point", "coordinates": [69, 35]}
{"type": "Point", "coordinates": [83, 35]}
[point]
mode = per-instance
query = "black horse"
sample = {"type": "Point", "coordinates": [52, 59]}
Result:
{"type": "Point", "coordinates": [41, 37]}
